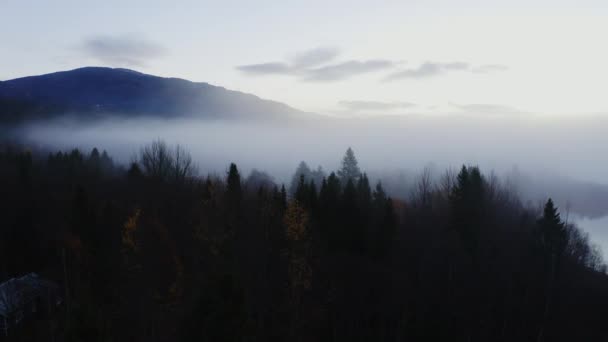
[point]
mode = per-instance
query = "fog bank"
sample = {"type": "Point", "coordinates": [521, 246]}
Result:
{"type": "Point", "coordinates": [571, 148]}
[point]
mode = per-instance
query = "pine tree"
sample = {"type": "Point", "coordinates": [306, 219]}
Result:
{"type": "Point", "coordinates": [328, 213]}
{"type": "Point", "coordinates": [386, 230]}
{"type": "Point", "coordinates": [364, 194]}
{"type": "Point", "coordinates": [384, 223]}
{"type": "Point", "coordinates": [302, 171]}
{"type": "Point", "coordinates": [554, 239]}
{"type": "Point", "coordinates": [312, 195]}
{"type": "Point", "coordinates": [554, 236]}
{"type": "Point", "coordinates": [301, 192]}
{"type": "Point", "coordinates": [352, 229]}
{"type": "Point", "coordinates": [94, 157]}
{"type": "Point", "coordinates": [233, 183]}
{"type": "Point", "coordinates": [379, 195]}
{"type": "Point", "coordinates": [350, 167]}
{"type": "Point", "coordinates": [466, 200]}
{"type": "Point", "coordinates": [318, 175]}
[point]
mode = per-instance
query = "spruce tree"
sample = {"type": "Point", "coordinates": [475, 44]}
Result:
{"type": "Point", "coordinates": [312, 195]}
{"type": "Point", "coordinates": [350, 167]}
{"type": "Point", "coordinates": [302, 171]}
{"type": "Point", "coordinates": [233, 186]}
{"type": "Point", "coordinates": [385, 235]}
{"type": "Point", "coordinates": [364, 194]}
{"type": "Point", "coordinates": [301, 192]}
{"type": "Point", "coordinates": [466, 201]}
{"type": "Point", "coordinates": [379, 195]}
{"type": "Point", "coordinates": [554, 236]}
{"type": "Point", "coordinates": [352, 228]}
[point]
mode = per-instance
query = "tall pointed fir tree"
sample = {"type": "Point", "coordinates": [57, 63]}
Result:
{"type": "Point", "coordinates": [554, 235]}
{"type": "Point", "coordinates": [350, 167]}
{"type": "Point", "coordinates": [233, 187]}
{"type": "Point", "coordinates": [301, 171]}
{"type": "Point", "coordinates": [466, 201]}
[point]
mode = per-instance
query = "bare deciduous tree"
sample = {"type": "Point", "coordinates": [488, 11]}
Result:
{"type": "Point", "coordinates": [160, 162]}
{"type": "Point", "coordinates": [423, 191]}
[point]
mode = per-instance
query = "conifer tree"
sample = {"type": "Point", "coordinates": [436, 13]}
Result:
{"type": "Point", "coordinates": [350, 167]}
{"type": "Point", "coordinates": [364, 194]}
{"type": "Point", "coordinates": [302, 171]}
{"type": "Point", "coordinates": [379, 195]}
{"type": "Point", "coordinates": [466, 200]}
{"type": "Point", "coordinates": [312, 195]}
{"type": "Point", "coordinates": [352, 228]}
{"type": "Point", "coordinates": [554, 236]}
{"type": "Point", "coordinates": [233, 186]}
{"type": "Point", "coordinates": [386, 230]}
{"type": "Point", "coordinates": [301, 192]}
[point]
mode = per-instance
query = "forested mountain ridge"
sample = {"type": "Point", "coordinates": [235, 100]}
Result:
{"type": "Point", "coordinates": [98, 91]}
{"type": "Point", "coordinates": [155, 252]}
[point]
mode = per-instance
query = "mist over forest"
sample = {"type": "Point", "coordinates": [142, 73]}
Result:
{"type": "Point", "coordinates": [539, 156]}
{"type": "Point", "coordinates": [541, 146]}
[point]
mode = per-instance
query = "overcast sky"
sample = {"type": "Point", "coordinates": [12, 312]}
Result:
{"type": "Point", "coordinates": [337, 57]}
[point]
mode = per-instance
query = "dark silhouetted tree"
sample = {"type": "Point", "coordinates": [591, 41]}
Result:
{"type": "Point", "coordinates": [466, 199]}
{"type": "Point", "coordinates": [233, 186]}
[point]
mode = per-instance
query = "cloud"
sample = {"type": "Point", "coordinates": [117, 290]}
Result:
{"type": "Point", "coordinates": [488, 68]}
{"type": "Point", "coordinates": [456, 66]}
{"type": "Point", "coordinates": [357, 105]}
{"type": "Point", "coordinates": [125, 50]}
{"type": "Point", "coordinates": [489, 109]}
{"type": "Point", "coordinates": [311, 66]}
{"type": "Point", "coordinates": [428, 69]}
{"type": "Point", "coordinates": [344, 70]}
{"type": "Point", "coordinates": [276, 68]}
{"type": "Point", "coordinates": [315, 57]}
{"type": "Point", "coordinates": [432, 69]}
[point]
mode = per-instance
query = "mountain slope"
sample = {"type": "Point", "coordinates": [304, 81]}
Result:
{"type": "Point", "coordinates": [94, 91]}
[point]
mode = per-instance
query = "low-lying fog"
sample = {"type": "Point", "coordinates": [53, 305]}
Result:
{"type": "Point", "coordinates": [554, 155]}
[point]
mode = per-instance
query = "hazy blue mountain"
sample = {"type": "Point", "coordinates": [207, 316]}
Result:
{"type": "Point", "coordinates": [95, 91]}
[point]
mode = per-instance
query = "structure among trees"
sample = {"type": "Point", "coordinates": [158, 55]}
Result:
{"type": "Point", "coordinates": [24, 298]}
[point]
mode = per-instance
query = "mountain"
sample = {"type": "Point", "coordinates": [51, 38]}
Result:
{"type": "Point", "coordinates": [96, 91]}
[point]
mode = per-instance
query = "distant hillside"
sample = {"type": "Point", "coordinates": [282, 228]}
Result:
{"type": "Point", "coordinates": [94, 91]}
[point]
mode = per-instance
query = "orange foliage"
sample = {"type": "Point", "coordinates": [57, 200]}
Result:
{"type": "Point", "coordinates": [128, 231]}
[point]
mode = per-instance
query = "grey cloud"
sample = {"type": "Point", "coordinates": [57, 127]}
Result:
{"type": "Point", "coordinates": [311, 66]}
{"type": "Point", "coordinates": [456, 66]}
{"type": "Point", "coordinates": [431, 69]}
{"type": "Point", "coordinates": [424, 70]}
{"type": "Point", "coordinates": [301, 61]}
{"type": "Point", "coordinates": [344, 70]}
{"type": "Point", "coordinates": [272, 68]}
{"type": "Point", "coordinates": [315, 57]}
{"type": "Point", "coordinates": [357, 105]}
{"type": "Point", "coordinates": [490, 109]}
{"type": "Point", "coordinates": [126, 50]}
{"type": "Point", "coordinates": [487, 68]}
{"type": "Point", "coordinates": [428, 69]}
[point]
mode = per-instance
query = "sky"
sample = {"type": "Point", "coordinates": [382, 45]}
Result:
{"type": "Point", "coordinates": [342, 58]}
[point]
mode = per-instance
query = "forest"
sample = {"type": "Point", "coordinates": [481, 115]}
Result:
{"type": "Point", "coordinates": [153, 251]}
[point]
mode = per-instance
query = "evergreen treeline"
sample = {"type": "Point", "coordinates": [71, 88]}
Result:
{"type": "Point", "coordinates": [155, 253]}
